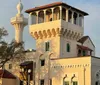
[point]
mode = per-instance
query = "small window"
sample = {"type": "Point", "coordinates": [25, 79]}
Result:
{"type": "Point", "coordinates": [68, 47]}
{"type": "Point", "coordinates": [84, 53]}
{"type": "Point", "coordinates": [47, 46]}
{"type": "Point", "coordinates": [96, 83]}
{"type": "Point", "coordinates": [42, 62]}
{"type": "Point", "coordinates": [75, 83]}
{"type": "Point", "coordinates": [21, 82]}
{"type": "Point", "coordinates": [66, 82]}
{"type": "Point", "coordinates": [10, 66]}
{"type": "Point", "coordinates": [42, 82]}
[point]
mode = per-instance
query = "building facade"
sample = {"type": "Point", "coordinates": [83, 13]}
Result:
{"type": "Point", "coordinates": [63, 56]}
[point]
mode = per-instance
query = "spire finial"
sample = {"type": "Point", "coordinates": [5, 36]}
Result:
{"type": "Point", "coordinates": [20, 1]}
{"type": "Point", "coordinates": [19, 7]}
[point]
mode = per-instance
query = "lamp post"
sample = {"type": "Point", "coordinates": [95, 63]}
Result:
{"type": "Point", "coordinates": [29, 71]}
{"type": "Point", "coordinates": [27, 75]}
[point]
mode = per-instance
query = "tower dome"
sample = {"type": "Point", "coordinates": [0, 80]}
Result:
{"type": "Point", "coordinates": [20, 7]}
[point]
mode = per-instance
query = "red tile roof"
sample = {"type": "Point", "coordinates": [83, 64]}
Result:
{"type": "Point", "coordinates": [83, 47]}
{"type": "Point", "coordinates": [53, 5]}
{"type": "Point", "coordinates": [6, 74]}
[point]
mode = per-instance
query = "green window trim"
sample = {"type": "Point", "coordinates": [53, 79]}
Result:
{"type": "Point", "coordinates": [84, 53]}
{"type": "Point", "coordinates": [66, 82]}
{"type": "Point", "coordinates": [68, 47]}
{"type": "Point", "coordinates": [47, 46]}
{"type": "Point", "coordinates": [75, 83]}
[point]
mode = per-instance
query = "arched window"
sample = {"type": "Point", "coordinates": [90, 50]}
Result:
{"type": "Point", "coordinates": [49, 15]}
{"type": "Point", "coordinates": [69, 16]}
{"type": "Point", "coordinates": [41, 17]}
{"type": "Point", "coordinates": [68, 47]}
{"type": "Point", "coordinates": [64, 14]}
{"type": "Point", "coordinates": [56, 13]}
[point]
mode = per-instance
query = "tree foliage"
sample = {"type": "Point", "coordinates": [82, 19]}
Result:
{"type": "Point", "coordinates": [9, 51]}
{"type": "Point", "coordinates": [3, 33]}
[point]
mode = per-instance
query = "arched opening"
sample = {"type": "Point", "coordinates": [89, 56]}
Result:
{"type": "Point", "coordinates": [41, 17]}
{"type": "Point", "coordinates": [64, 14]}
{"type": "Point", "coordinates": [49, 15]}
{"type": "Point", "coordinates": [69, 16]}
{"type": "Point", "coordinates": [68, 47]}
{"type": "Point", "coordinates": [34, 16]}
{"type": "Point", "coordinates": [75, 18]}
{"type": "Point", "coordinates": [56, 13]}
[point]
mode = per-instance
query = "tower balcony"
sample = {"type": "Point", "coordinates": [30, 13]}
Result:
{"type": "Point", "coordinates": [19, 19]}
{"type": "Point", "coordinates": [60, 27]}
{"type": "Point", "coordinates": [56, 18]}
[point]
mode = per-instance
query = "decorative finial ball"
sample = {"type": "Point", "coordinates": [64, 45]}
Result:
{"type": "Point", "coordinates": [19, 7]}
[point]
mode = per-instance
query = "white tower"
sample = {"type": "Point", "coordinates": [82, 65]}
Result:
{"type": "Point", "coordinates": [19, 22]}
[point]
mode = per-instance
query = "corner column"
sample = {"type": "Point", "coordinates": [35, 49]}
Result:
{"type": "Point", "coordinates": [72, 17]}
{"type": "Point", "coordinates": [44, 15]}
{"type": "Point", "coordinates": [60, 12]}
{"type": "Point", "coordinates": [67, 15]}
{"type": "Point", "coordinates": [52, 14]}
{"type": "Point", "coordinates": [37, 19]}
{"type": "Point", "coordinates": [30, 18]}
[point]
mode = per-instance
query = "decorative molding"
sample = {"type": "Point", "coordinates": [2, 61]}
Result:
{"type": "Point", "coordinates": [71, 66]}
{"type": "Point", "coordinates": [69, 34]}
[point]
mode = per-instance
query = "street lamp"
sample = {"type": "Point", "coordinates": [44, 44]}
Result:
{"type": "Point", "coordinates": [26, 75]}
{"type": "Point", "coordinates": [29, 71]}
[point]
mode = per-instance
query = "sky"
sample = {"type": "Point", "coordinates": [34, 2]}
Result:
{"type": "Point", "coordinates": [91, 23]}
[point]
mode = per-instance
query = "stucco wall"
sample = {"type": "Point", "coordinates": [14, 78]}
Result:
{"type": "Point", "coordinates": [73, 47]}
{"type": "Point", "coordinates": [54, 45]}
{"type": "Point", "coordinates": [81, 67]}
